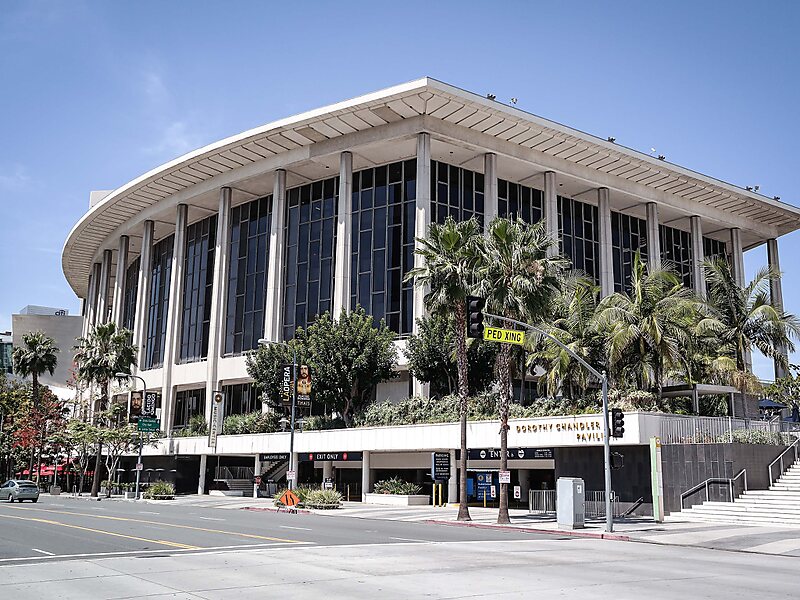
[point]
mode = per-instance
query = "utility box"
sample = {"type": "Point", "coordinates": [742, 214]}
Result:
{"type": "Point", "coordinates": [570, 502]}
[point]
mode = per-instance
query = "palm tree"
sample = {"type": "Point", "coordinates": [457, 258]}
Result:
{"type": "Point", "coordinates": [572, 322]}
{"type": "Point", "coordinates": [449, 261]}
{"type": "Point", "coordinates": [648, 330]}
{"type": "Point", "coordinates": [744, 318]}
{"type": "Point", "coordinates": [34, 357]}
{"type": "Point", "coordinates": [105, 351]}
{"type": "Point", "coordinates": [518, 280]}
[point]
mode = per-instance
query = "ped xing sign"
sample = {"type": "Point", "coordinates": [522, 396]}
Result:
{"type": "Point", "coordinates": [504, 336]}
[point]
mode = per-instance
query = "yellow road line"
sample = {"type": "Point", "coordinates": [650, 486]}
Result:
{"type": "Point", "coordinates": [102, 531]}
{"type": "Point", "coordinates": [175, 525]}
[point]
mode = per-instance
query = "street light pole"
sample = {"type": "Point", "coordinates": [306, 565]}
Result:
{"type": "Point", "coordinates": [604, 386]}
{"type": "Point", "coordinates": [139, 456]}
{"type": "Point", "coordinates": [266, 342]}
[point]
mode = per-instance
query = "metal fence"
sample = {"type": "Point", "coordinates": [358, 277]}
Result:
{"type": "Point", "coordinates": [234, 473]}
{"type": "Point", "coordinates": [543, 502]}
{"type": "Point", "coordinates": [710, 430]}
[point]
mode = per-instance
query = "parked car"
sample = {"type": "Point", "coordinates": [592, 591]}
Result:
{"type": "Point", "coordinates": [19, 490]}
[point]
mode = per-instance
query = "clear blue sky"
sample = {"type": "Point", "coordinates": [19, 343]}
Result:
{"type": "Point", "coordinates": [95, 93]}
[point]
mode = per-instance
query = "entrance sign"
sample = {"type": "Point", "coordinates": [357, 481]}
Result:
{"type": "Point", "coordinates": [511, 453]}
{"type": "Point", "coordinates": [505, 476]}
{"type": "Point", "coordinates": [504, 336]}
{"type": "Point", "coordinates": [149, 424]}
{"type": "Point", "coordinates": [289, 498]}
{"type": "Point", "coordinates": [440, 466]}
{"type": "Point", "coordinates": [217, 412]}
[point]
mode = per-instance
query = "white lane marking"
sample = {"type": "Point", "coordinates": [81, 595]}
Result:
{"type": "Point", "coordinates": [210, 519]}
{"type": "Point", "coordinates": [409, 540]}
{"type": "Point", "coordinates": [299, 528]}
{"type": "Point", "coordinates": [147, 512]}
{"type": "Point", "coordinates": [776, 547]}
{"type": "Point", "coordinates": [45, 552]}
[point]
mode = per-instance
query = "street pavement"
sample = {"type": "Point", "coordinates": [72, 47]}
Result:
{"type": "Point", "coordinates": [74, 548]}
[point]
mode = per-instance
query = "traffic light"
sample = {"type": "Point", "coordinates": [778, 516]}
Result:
{"type": "Point", "coordinates": [617, 423]}
{"type": "Point", "coordinates": [475, 316]}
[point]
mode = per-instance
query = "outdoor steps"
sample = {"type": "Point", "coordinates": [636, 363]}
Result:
{"type": "Point", "coordinates": [779, 505]}
{"type": "Point", "coordinates": [239, 485]}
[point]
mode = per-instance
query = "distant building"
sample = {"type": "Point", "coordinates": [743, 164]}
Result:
{"type": "Point", "coordinates": [6, 363]}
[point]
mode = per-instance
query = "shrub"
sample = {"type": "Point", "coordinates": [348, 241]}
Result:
{"type": "Point", "coordinates": [757, 436]}
{"type": "Point", "coordinates": [302, 492]}
{"type": "Point", "coordinates": [395, 485]}
{"type": "Point", "coordinates": [160, 489]}
{"type": "Point", "coordinates": [254, 422]}
{"type": "Point", "coordinates": [197, 426]}
{"type": "Point", "coordinates": [323, 499]}
{"type": "Point", "coordinates": [318, 423]}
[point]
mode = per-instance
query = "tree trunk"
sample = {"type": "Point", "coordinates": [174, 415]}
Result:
{"type": "Point", "coordinates": [505, 394]}
{"type": "Point", "coordinates": [97, 466]}
{"type": "Point", "coordinates": [463, 393]}
{"type": "Point", "coordinates": [35, 392]}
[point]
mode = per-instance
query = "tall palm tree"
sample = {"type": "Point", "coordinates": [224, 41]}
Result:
{"type": "Point", "coordinates": [518, 280]}
{"type": "Point", "coordinates": [105, 351]}
{"type": "Point", "coordinates": [572, 322]}
{"type": "Point", "coordinates": [648, 330]}
{"type": "Point", "coordinates": [449, 261]}
{"type": "Point", "coordinates": [34, 357]}
{"type": "Point", "coordinates": [746, 319]}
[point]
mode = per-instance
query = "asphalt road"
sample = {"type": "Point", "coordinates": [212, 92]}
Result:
{"type": "Point", "coordinates": [71, 549]}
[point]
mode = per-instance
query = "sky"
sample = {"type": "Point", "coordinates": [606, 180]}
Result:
{"type": "Point", "coordinates": [94, 94]}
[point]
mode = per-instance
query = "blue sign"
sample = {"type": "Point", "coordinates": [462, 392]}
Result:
{"type": "Point", "coordinates": [484, 485]}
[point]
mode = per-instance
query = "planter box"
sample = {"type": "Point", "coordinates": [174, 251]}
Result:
{"type": "Point", "coordinates": [55, 490]}
{"type": "Point", "coordinates": [130, 495]}
{"type": "Point", "coordinates": [397, 500]}
{"type": "Point", "coordinates": [237, 493]}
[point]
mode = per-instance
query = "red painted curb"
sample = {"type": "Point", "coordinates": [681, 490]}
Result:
{"type": "Point", "coordinates": [570, 532]}
{"type": "Point", "coordinates": [301, 511]}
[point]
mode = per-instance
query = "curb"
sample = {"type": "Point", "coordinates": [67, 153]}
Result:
{"type": "Point", "coordinates": [570, 532]}
{"type": "Point", "coordinates": [300, 511]}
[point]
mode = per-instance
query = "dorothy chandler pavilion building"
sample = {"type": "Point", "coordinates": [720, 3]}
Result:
{"type": "Point", "coordinates": [254, 235]}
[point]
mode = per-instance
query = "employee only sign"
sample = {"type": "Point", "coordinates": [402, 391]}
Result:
{"type": "Point", "coordinates": [505, 336]}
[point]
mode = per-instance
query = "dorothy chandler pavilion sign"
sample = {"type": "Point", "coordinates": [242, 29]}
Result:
{"type": "Point", "coordinates": [564, 431]}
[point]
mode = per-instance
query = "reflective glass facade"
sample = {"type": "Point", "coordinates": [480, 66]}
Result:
{"type": "Point", "coordinates": [628, 236]}
{"type": "Point", "coordinates": [676, 248]}
{"type": "Point", "coordinates": [240, 399]}
{"type": "Point", "coordinates": [455, 192]}
{"type": "Point", "coordinates": [310, 245]}
{"type": "Point", "coordinates": [188, 403]}
{"type": "Point", "coordinates": [384, 212]}
{"type": "Point", "coordinates": [577, 223]}
{"type": "Point", "coordinates": [247, 276]}
{"type": "Point", "coordinates": [131, 291]}
{"type": "Point", "coordinates": [516, 200]}
{"type": "Point", "coordinates": [161, 269]}
{"type": "Point", "coordinates": [198, 277]}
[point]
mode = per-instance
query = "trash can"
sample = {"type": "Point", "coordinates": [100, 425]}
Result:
{"type": "Point", "coordinates": [570, 505]}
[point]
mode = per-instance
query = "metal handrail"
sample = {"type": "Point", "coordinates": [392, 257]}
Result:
{"type": "Point", "coordinates": [794, 446]}
{"type": "Point", "coordinates": [717, 480]}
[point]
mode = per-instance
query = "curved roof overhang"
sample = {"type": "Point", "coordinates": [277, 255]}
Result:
{"type": "Point", "coordinates": [447, 110]}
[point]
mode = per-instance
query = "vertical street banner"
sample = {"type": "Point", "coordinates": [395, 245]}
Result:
{"type": "Point", "coordinates": [217, 412]}
{"type": "Point", "coordinates": [286, 381]}
{"type": "Point", "coordinates": [150, 404]}
{"type": "Point", "coordinates": [137, 401]}
{"type": "Point", "coordinates": [304, 389]}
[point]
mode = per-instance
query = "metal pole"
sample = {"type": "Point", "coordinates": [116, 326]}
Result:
{"type": "Point", "coordinates": [607, 456]}
{"type": "Point", "coordinates": [294, 404]}
{"type": "Point", "coordinates": [138, 470]}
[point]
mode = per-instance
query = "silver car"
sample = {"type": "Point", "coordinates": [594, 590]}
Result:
{"type": "Point", "coordinates": [19, 490]}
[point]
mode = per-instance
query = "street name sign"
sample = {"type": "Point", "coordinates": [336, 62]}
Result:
{"type": "Point", "coordinates": [147, 424]}
{"type": "Point", "coordinates": [504, 336]}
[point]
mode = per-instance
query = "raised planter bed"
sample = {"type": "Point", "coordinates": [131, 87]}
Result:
{"type": "Point", "coordinates": [397, 499]}
{"type": "Point", "coordinates": [236, 493]}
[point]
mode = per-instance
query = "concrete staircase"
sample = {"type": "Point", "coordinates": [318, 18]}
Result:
{"type": "Point", "coordinates": [779, 505]}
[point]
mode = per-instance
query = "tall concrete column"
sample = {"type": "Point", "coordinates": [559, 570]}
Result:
{"type": "Point", "coordinates": [219, 289]}
{"type": "Point", "coordinates": [653, 238]}
{"type": "Point", "coordinates": [273, 314]}
{"type": "Point", "coordinates": [452, 483]}
{"type": "Point", "coordinates": [143, 292]}
{"type": "Point", "coordinates": [606, 243]}
{"type": "Point", "coordinates": [421, 225]}
{"type": "Point", "coordinates": [256, 473]}
{"type": "Point", "coordinates": [327, 469]}
{"type": "Point", "coordinates": [101, 316]}
{"type": "Point", "coordinates": [550, 209]}
{"type": "Point", "coordinates": [120, 281]}
{"type": "Point", "coordinates": [91, 299]}
{"type": "Point", "coordinates": [776, 294]}
{"type": "Point", "coordinates": [490, 206]}
{"type": "Point", "coordinates": [737, 256]}
{"type": "Point", "coordinates": [365, 476]}
{"type": "Point", "coordinates": [698, 275]}
{"type": "Point", "coordinates": [172, 341]}
{"type": "Point", "coordinates": [201, 481]}
{"type": "Point", "coordinates": [344, 237]}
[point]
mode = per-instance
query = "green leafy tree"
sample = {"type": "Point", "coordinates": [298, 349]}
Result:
{"type": "Point", "coordinates": [519, 281]}
{"type": "Point", "coordinates": [431, 354]}
{"type": "Point", "coordinates": [35, 357]}
{"type": "Point", "coordinates": [448, 260]}
{"type": "Point", "coordinates": [265, 367]}
{"type": "Point", "coordinates": [107, 350]}
{"type": "Point", "coordinates": [83, 437]}
{"type": "Point", "coordinates": [648, 330]}
{"type": "Point", "coordinates": [15, 403]}
{"type": "Point", "coordinates": [786, 390]}
{"type": "Point", "coordinates": [744, 319]}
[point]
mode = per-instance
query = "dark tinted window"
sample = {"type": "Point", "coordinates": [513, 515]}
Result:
{"type": "Point", "coordinates": [131, 290]}
{"type": "Point", "coordinates": [455, 192]}
{"type": "Point", "coordinates": [676, 251]}
{"type": "Point", "coordinates": [161, 268]}
{"type": "Point", "coordinates": [515, 200]}
{"type": "Point", "coordinates": [628, 235]}
{"type": "Point", "coordinates": [579, 235]}
{"type": "Point", "coordinates": [188, 403]}
{"type": "Point", "coordinates": [198, 278]}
